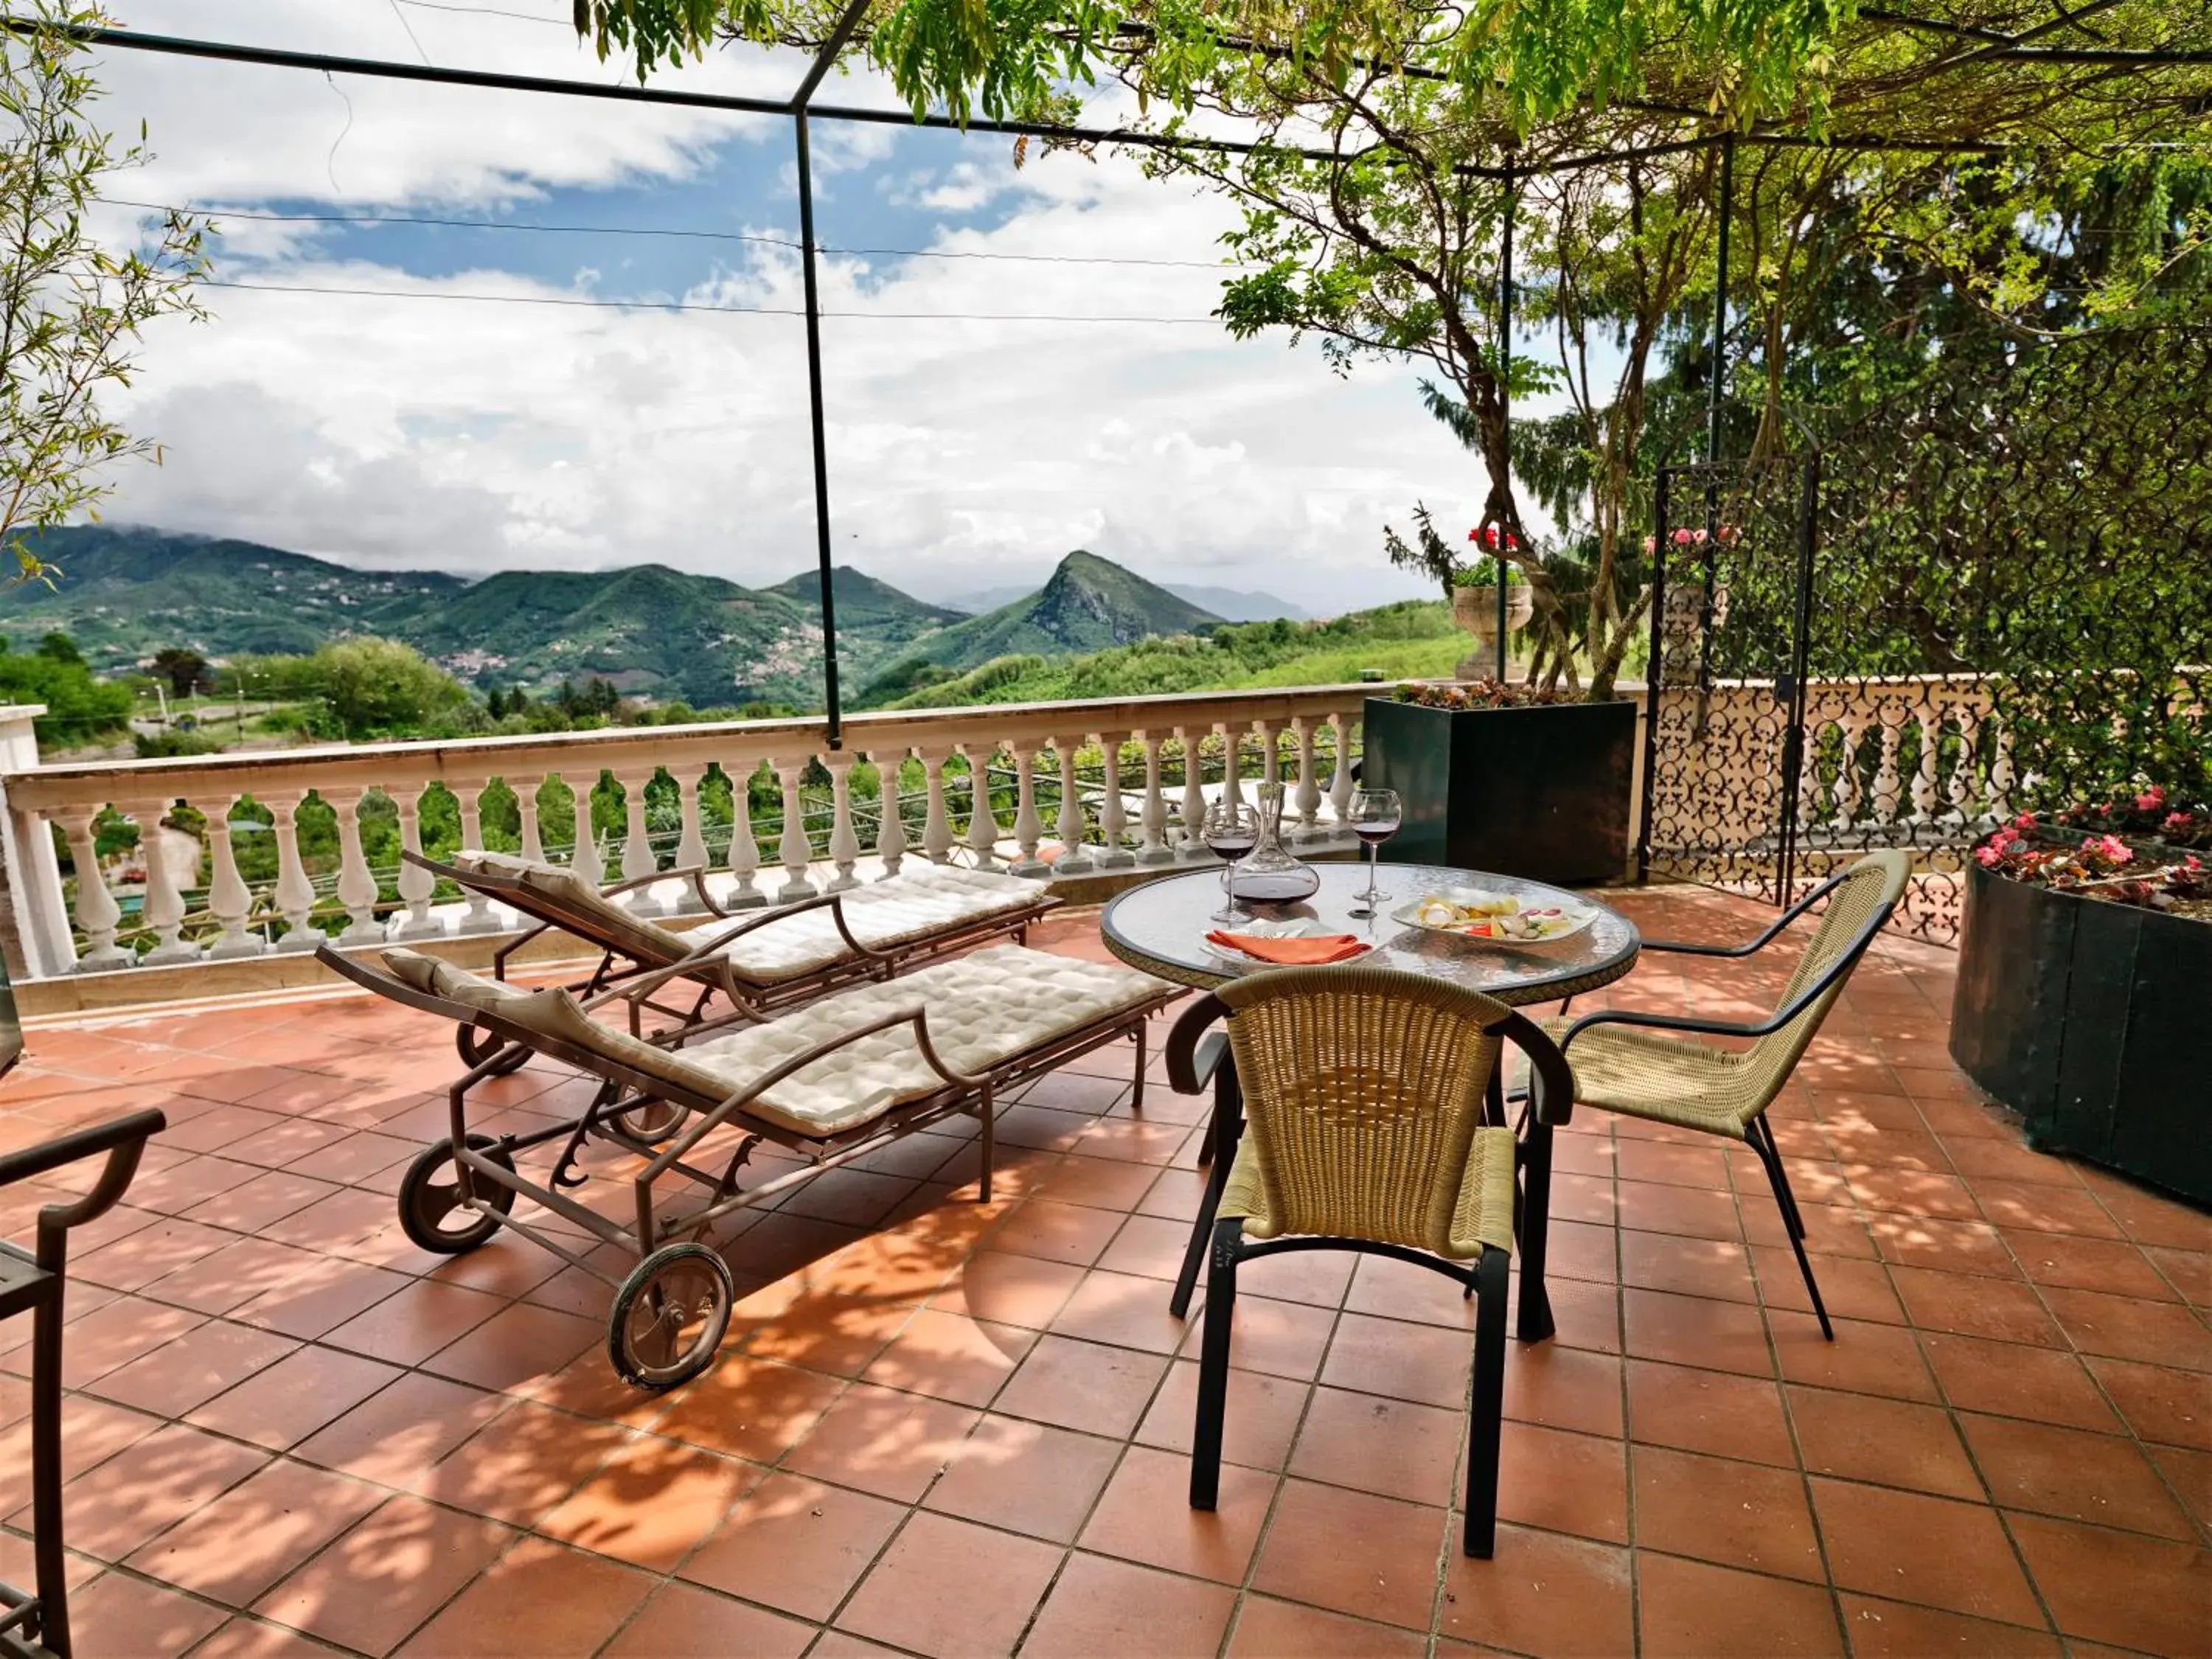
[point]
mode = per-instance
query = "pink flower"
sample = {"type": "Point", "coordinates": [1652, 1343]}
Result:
{"type": "Point", "coordinates": [1688, 538]}
{"type": "Point", "coordinates": [2174, 822]}
{"type": "Point", "coordinates": [2024, 821]}
{"type": "Point", "coordinates": [2110, 847]}
{"type": "Point", "coordinates": [1651, 545]}
{"type": "Point", "coordinates": [1988, 857]}
{"type": "Point", "coordinates": [2151, 800]}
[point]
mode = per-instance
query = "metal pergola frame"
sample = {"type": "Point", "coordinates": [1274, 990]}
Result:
{"type": "Point", "coordinates": [800, 109]}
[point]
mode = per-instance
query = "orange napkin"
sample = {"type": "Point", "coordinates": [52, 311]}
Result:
{"type": "Point", "coordinates": [1307, 952]}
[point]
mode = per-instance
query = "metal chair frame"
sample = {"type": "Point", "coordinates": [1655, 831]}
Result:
{"type": "Point", "coordinates": [1192, 1061]}
{"type": "Point", "coordinates": [34, 1625]}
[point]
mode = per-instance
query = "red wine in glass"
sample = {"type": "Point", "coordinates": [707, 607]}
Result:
{"type": "Point", "coordinates": [1375, 815]}
{"type": "Point", "coordinates": [1231, 831]}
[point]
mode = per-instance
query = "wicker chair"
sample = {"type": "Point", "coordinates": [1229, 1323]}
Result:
{"type": "Point", "coordinates": [1726, 1091]}
{"type": "Point", "coordinates": [1363, 1091]}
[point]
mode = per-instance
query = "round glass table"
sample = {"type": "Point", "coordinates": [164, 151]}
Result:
{"type": "Point", "coordinates": [1161, 927]}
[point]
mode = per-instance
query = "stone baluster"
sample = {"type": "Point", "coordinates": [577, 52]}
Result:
{"type": "Point", "coordinates": [1113, 818]}
{"type": "Point", "coordinates": [98, 915]}
{"type": "Point", "coordinates": [1888, 790]}
{"type": "Point", "coordinates": [1339, 785]}
{"type": "Point", "coordinates": [1152, 817]}
{"type": "Point", "coordinates": [1924, 791]}
{"type": "Point", "coordinates": [526, 809]}
{"type": "Point", "coordinates": [982, 817]}
{"type": "Point", "coordinates": [165, 901]}
{"type": "Point", "coordinates": [1074, 859]}
{"type": "Point", "coordinates": [844, 843]}
{"type": "Point", "coordinates": [295, 891]}
{"type": "Point", "coordinates": [1271, 750]}
{"type": "Point", "coordinates": [744, 846]}
{"type": "Point", "coordinates": [587, 859]}
{"type": "Point", "coordinates": [890, 825]}
{"type": "Point", "coordinates": [477, 918]}
{"type": "Point", "coordinates": [1193, 828]}
{"type": "Point", "coordinates": [1307, 798]}
{"type": "Point", "coordinates": [1029, 824]}
{"type": "Point", "coordinates": [690, 845]}
{"type": "Point", "coordinates": [637, 859]}
{"type": "Point", "coordinates": [416, 885]}
{"type": "Point", "coordinates": [1960, 790]}
{"type": "Point", "coordinates": [1847, 777]}
{"type": "Point", "coordinates": [1232, 763]}
{"type": "Point", "coordinates": [936, 824]}
{"type": "Point", "coordinates": [230, 901]}
{"type": "Point", "coordinates": [795, 850]}
{"type": "Point", "coordinates": [356, 881]}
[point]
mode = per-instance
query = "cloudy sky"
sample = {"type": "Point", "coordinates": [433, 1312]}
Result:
{"type": "Point", "coordinates": [1018, 363]}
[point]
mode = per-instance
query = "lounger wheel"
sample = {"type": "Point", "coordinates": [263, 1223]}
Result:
{"type": "Point", "coordinates": [477, 1047]}
{"type": "Point", "coordinates": [652, 1122]}
{"type": "Point", "coordinates": [431, 1212]}
{"type": "Point", "coordinates": [670, 1316]}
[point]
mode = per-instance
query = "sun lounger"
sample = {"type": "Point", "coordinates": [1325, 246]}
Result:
{"type": "Point", "coordinates": [830, 1083]}
{"type": "Point", "coordinates": [764, 961]}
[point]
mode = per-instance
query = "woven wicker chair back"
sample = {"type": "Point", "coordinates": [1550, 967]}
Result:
{"type": "Point", "coordinates": [1362, 1091]}
{"type": "Point", "coordinates": [1875, 880]}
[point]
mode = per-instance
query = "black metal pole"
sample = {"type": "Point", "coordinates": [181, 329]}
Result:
{"type": "Point", "coordinates": [817, 72]}
{"type": "Point", "coordinates": [1794, 757]}
{"type": "Point", "coordinates": [834, 713]}
{"type": "Point", "coordinates": [1505, 398]}
{"type": "Point", "coordinates": [1720, 305]}
{"type": "Point", "coordinates": [1655, 670]}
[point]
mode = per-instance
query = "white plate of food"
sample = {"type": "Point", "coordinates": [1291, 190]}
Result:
{"type": "Point", "coordinates": [1497, 918]}
{"type": "Point", "coordinates": [1296, 927]}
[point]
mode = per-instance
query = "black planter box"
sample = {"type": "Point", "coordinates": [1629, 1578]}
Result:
{"type": "Point", "coordinates": [1541, 793]}
{"type": "Point", "coordinates": [2091, 1021]}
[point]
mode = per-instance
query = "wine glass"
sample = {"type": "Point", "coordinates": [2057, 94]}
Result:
{"type": "Point", "coordinates": [1231, 829]}
{"type": "Point", "coordinates": [1375, 815]}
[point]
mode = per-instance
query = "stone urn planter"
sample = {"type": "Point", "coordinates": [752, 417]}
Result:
{"type": "Point", "coordinates": [2089, 1019]}
{"type": "Point", "coordinates": [1540, 791]}
{"type": "Point", "coordinates": [1475, 610]}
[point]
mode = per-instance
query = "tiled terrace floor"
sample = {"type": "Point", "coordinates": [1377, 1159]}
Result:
{"type": "Point", "coordinates": [952, 1430]}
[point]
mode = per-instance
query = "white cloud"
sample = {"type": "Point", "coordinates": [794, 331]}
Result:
{"type": "Point", "coordinates": [469, 436]}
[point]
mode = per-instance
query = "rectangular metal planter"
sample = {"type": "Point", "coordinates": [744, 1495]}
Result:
{"type": "Point", "coordinates": [2089, 1019]}
{"type": "Point", "coordinates": [1541, 793]}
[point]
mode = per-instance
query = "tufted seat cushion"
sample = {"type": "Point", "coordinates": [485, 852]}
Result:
{"type": "Point", "coordinates": [911, 906]}
{"type": "Point", "coordinates": [983, 1010]}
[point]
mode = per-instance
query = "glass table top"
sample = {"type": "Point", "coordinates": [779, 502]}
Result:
{"type": "Point", "coordinates": [1161, 927]}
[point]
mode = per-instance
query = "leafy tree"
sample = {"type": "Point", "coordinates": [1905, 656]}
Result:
{"type": "Point", "coordinates": [71, 310]}
{"type": "Point", "coordinates": [184, 668]}
{"type": "Point", "coordinates": [373, 687]}
{"type": "Point", "coordinates": [80, 709]}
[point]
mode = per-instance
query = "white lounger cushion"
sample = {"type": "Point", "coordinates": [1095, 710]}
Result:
{"type": "Point", "coordinates": [983, 1009]}
{"type": "Point", "coordinates": [910, 906]}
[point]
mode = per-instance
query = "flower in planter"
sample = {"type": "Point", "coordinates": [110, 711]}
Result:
{"type": "Point", "coordinates": [1486, 535]}
{"type": "Point", "coordinates": [2099, 866]}
{"type": "Point", "coordinates": [1479, 694]}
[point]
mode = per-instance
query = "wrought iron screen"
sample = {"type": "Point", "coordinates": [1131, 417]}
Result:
{"type": "Point", "coordinates": [2007, 585]}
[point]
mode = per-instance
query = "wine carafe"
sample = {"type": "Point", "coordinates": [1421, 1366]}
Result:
{"type": "Point", "coordinates": [1269, 874]}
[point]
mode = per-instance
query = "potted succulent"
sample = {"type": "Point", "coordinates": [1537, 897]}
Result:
{"type": "Point", "coordinates": [2082, 970]}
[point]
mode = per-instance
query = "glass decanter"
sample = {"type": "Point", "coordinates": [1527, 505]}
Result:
{"type": "Point", "coordinates": [1269, 874]}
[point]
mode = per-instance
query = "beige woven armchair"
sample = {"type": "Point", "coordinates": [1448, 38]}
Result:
{"type": "Point", "coordinates": [1726, 1091]}
{"type": "Point", "coordinates": [1363, 1093]}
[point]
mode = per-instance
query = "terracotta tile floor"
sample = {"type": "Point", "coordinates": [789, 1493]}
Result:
{"type": "Point", "coordinates": [944, 1429]}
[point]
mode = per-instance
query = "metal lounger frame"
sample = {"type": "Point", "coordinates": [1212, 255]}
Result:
{"type": "Point", "coordinates": [625, 1089]}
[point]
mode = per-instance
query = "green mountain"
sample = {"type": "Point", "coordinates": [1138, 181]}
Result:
{"type": "Point", "coordinates": [124, 594]}
{"type": "Point", "coordinates": [1090, 603]}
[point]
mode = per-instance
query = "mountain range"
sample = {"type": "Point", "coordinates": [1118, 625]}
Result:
{"type": "Point", "coordinates": [124, 593]}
